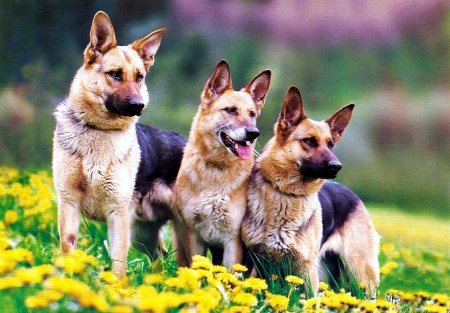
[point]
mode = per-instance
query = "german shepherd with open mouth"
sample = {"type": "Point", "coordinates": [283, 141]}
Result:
{"type": "Point", "coordinates": [211, 185]}
{"type": "Point", "coordinates": [98, 148]}
{"type": "Point", "coordinates": [294, 212]}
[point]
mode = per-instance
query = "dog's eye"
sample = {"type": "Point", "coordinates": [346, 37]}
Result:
{"type": "Point", "coordinates": [252, 114]}
{"type": "Point", "coordinates": [231, 110]}
{"type": "Point", "coordinates": [139, 77]}
{"type": "Point", "coordinates": [117, 75]}
{"type": "Point", "coordinates": [330, 144]}
{"type": "Point", "coordinates": [310, 141]}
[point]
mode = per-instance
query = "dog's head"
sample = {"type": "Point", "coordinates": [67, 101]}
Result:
{"type": "Point", "coordinates": [227, 118]}
{"type": "Point", "coordinates": [116, 74]}
{"type": "Point", "coordinates": [306, 146]}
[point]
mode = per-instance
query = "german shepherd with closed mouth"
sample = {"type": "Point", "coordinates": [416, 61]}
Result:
{"type": "Point", "coordinates": [211, 186]}
{"type": "Point", "coordinates": [294, 212]}
{"type": "Point", "coordinates": [98, 148]}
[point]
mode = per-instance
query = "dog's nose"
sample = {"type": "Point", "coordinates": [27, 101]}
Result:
{"type": "Point", "coordinates": [137, 103]}
{"type": "Point", "coordinates": [334, 166]}
{"type": "Point", "coordinates": [252, 134]}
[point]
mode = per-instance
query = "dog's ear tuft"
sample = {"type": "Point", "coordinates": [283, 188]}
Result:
{"type": "Point", "coordinates": [339, 121]}
{"type": "Point", "coordinates": [102, 37]}
{"type": "Point", "coordinates": [147, 47]}
{"type": "Point", "coordinates": [258, 88]}
{"type": "Point", "coordinates": [218, 83]}
{"type": "Point", "coordinates": [292, 112]}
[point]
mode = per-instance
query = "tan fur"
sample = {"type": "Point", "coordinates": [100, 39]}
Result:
{"type": "Point", "coordinates": [211, 185]}
{"type": "Point", "coordinates": [284, 215]}
{"type": "Point", "coordinates": [95, 152]}
{"type": "Point", "coordinates": [357, 241]}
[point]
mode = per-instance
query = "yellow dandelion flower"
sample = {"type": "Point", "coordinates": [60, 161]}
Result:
{"type": "Point", "coordinates": [294, 280]}
{"type": "Point", "coordinates": [69, 265]}
{"type": "Point", "coordinates": [441, 299]}
{"type": "Point", "coordinates": [96, 301]}
{"type": "Point", "coordinates": [10, 282]}
{"type": "Point", "coordinates": [385, 305]}
{"type": "Point", "coordinates": [4, 243]}
{"type": "Point", "coordinates": [7, 265]}
{"type": "Point", "coordinates": [323, 286]}
{"type": "Point", "coordinates": [227, 278]}
{"type": "Point", "coordinates": [16, 188]}
{"type": "Point", "coordinates": [2, 189]}
{"type": "Point", "coordinates": [204, 300]}
{"type": "Point", "coordinates": [45, 204]}
{"type": "Point", "coordinates": [201, 262]}
{"type": "Point", "coordinates": [154, 279]}
{"type": "Point", "coordinates": [121, 308]}
{"type": "Point", "coordinates": [28, 275]}
{"type": "Point", "coordinates": [36, 302]}
{"type": "Point", "coordinates": [434, 308]}
{"type": "Point", "coordinates": [310, 303]}
{"type": "Point", "coordinates": [279, 303]}
{"type": "Point", "coordinates": [347, 299]}
{"type": "Point", "coordinates": [244, 298]}
{"type": "Point", "coordinates": [19, 255]}
{"type": "Point", "coordinates": [26, 197]}
{"type": "Point", "coordinates": [332, 303]}
{"type": "Point", "coordinates": [219, 269]}
{"type": "Point", "coordinates": [188, 278]}
{"type": "Point", "coordinates": [240, 268]}
{"type": "Point", "coordinates": [45, 269]}
{"type": "Point", "coordinates": [108, 277]}
{"type": "Point", "coordinates": [145, 291]}
{"type": "Point", "coordinates": [256, 284]}
{"type": "Point", "coordinates": [50, 295]}
{"type": "Point", "coordinates": [69, 286]}
{"type": "Point", "coordinates": [161, 302]}
{"type": "Point", "coordinates": [11, 217]}
{"type": "Point", "coordinates": [367, 306]}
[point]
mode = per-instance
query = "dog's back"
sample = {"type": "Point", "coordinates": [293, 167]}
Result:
{"type": "Point", "coordinates": [161, 154]}
{"type": "Point", "coordinates": [152, 207]}
{"type": "Point", "coordinates": [349, 238]}
{"type": "Point", "coordinates": [337, 202]}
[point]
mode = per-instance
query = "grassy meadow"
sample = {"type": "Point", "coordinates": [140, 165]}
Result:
{"type": "Point", "coordinates": [35, 277]}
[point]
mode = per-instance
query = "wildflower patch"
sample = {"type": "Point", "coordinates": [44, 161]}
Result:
{"type": "Point", "coordinates": [35, 276]}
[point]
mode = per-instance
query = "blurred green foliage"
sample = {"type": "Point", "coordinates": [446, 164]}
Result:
{"type": "Point", "coordinates": [408, 165]}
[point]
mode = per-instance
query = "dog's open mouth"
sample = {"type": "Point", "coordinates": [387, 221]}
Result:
{"type": "Point", "coordinates": [241, 149]}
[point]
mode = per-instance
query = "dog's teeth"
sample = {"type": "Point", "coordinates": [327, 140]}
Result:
{"type": "Point", "coordinates": [247, 143]}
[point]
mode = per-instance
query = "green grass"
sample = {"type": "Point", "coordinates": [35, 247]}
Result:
{"type": "Point", "coordinates": [35, 277]}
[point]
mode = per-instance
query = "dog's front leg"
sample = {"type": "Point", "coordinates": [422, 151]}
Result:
{"type": "Point", "coordinates": [233, 252]}
{"type": "Point", "coordinates": [118, 236]}
{"type": "Point", "coordinates": [69, 217]}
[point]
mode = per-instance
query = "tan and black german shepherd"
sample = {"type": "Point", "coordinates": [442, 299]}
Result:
{"type": "Point", "coordinates": [293, 211]}
{"type": "Point", "coordinates": [211, 185]}
{"type": "Point", "coordinates": [98, 148]}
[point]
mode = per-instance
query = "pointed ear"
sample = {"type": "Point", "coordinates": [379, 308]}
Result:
{"type": "Point", "coordinates": [339, 121]}
{"type": "Point", "coordinates": [258, 88]}
{"type": "Point", "coordinates": [147, 47]}
{"type": "Point", "coordinates": [102, 37]}
{"type": "Point", "coordinates": [292, 112]}
{"type": "Point", "coordinates": [218, 83]}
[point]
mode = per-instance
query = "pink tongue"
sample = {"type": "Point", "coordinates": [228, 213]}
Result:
{"type": "Point", "coordinates": [244, 152]}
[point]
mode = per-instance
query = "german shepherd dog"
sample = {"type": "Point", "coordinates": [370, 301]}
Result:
{"type": "Point", "coordinates": [294, 212]}
{"type": "Point", "coordinates": [211, 186]}
{"type": "Point", "coordinates": [98, 147]}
